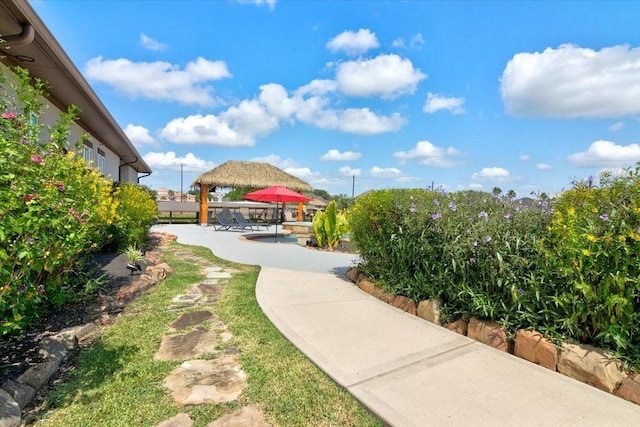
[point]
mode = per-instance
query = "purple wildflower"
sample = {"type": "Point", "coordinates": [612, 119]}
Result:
{"type": "Point", "coordinates": [472, 260]}
{"type": "Point", "coordinates": [453, 206]}
{"type": "Point", "coordinates": [30, 240]}
{"type": "Point", "coordinates": [22, 288]}
{"type": "Point", "coordinates": [507, 216]}
{"type": "Point", "coordinates": [412, 208]}
{"type": "Point", "coordinates": [486, 240]}
{"type": "Point", "coordinates": [474, 243]}
{"type": "Point", "coordinates": [41, 289]}
{"type": "Point", "coordinates": [604, 217]}
{"type": "Point", "coordinates": [436, 202]}
{"type": "Point", "coordinates": [436, 216]}
{"type": "Point", "coordinates": [520, 291]}
{"type": "Point", "coordinates": [484, 216]}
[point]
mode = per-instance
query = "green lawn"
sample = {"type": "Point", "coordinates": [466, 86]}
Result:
{"type": "Point", "coordinates": [117, 382]}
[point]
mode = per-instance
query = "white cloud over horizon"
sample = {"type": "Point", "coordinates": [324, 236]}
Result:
{"type": "Point", "coordinates": [494, 174]}
{"type": "Point", "coordinates": [334, 155]}
{"type": "Point", "coordinates": [428, 154]}
{"type": "Point", "coordinates": [150, 43]}
{"type": "Point", "coordinates": [169, 160]}
{"type": "Point", "coordinates": [437, 102]}
{"type": "Point", "coordinates": [348, 171]}
{"type": "Point", "coordinates": [160, 80]}
{"type": "Point", "coordinates": [139, 135]}
{"type": "Point", "coordinates": [353, 43]}
{"type": "Point", "coordinates": [571, 81]}
{"type": "Point", "coordinates": [387, 76]}
{"type": "Point", "coordinates": [606, 154]}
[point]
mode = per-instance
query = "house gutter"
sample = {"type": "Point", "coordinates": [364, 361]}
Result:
{"type": "Point", "coordinates": [143, 176]}
{"type": "Point", "coordinates": [26, 36]}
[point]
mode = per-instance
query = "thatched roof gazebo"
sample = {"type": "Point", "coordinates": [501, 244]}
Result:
{"type": "Point", "coordinates": [236, 173]}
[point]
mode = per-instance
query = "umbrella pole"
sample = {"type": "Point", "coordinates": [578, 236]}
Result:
{"type": "Point", "coordinates": [277, 217]}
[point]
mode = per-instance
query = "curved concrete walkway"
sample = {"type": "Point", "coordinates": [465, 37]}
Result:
{"type": "Point", "coordinates": [407, 371]}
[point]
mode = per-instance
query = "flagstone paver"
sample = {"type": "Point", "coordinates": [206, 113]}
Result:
{"type": "Point", "coordinates": [191, 318]}
{"type": "Point", "coordinates": [249, 416]}
{"type": "Point", "coordinates": [200, 381]}
{"type": "Point", "coordinates": [186, 346]}
{"type": "Point", "coordinates": [197, 381]}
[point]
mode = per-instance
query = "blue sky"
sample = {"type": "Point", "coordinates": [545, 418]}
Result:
{"type": "Point", "coordinates": [528, 96]}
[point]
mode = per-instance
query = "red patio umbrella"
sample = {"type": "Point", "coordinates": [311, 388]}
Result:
{"type": "Point", "coordinates": [277, 194]}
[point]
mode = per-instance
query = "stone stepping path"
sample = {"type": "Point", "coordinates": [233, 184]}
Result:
{"type": "Point", "coordinates": [249, 416]}
{"type": "Point", "coordinates": [195, 334]}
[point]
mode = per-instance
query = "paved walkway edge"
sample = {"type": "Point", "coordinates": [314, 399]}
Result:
{"type": "Point", "coordinates": [410, 372]}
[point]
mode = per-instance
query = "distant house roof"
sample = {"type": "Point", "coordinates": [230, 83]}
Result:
{"type": "Point", "coordinates": [30, 44]}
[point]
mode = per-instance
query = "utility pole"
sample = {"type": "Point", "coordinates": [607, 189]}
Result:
{"type": "Point", "coordinates": [353, 186]}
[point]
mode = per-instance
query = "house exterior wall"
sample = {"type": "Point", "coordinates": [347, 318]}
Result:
{"type": "Point", "coordinates": [111, 164]}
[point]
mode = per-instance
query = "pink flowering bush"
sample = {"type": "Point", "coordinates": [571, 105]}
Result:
{"type": "Point", "coordinates": [53, 207]}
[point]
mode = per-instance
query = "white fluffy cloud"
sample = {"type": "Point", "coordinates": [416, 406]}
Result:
{"type": "Point", "coordinates": [334, 155]}
{"type": "Point", "coordinates": [160, 80]}
{"type": "Point", "coordinates": [384, 172]}
{"type": "Point", "coordinates": [616, 126]}
{"type": "Point", "coordinates": [189, 162]}
{"type": "Point", "coordinates": [416, 42]}
{"type": "Point", "coordinates": [238, 126]}
{"type": "Point", "coordinates": [139, 135]}
{"type": "Point", "coordinates": [607, 154]}
{"type": "Point", "coordinates": [277, 161]}
{"type": "Point", "coordinates": [428, 154]}
{"type": "Point", "coordinates": [436, 102]}
{"type": "Point", "coordinates": [543, 166]}
{"type": "Point", "coordinates": [353, 43]}
{"type": "Point", "coordinates": [494, 174]}
{"type": "Point", "coordinates": [347, 171]}
{"type": "Point", "coordinates": [571, 81]}
{"type": "Point", "coordinates": [208, 130]}
{"type": "Point", "coordinates": [387, 76]}
{"type": "Point", "coordinates": [352, 120]}
{"type": "Point", "coordinates": [524, 157]}
{"type": "Point", "coordinates": [151, 44]}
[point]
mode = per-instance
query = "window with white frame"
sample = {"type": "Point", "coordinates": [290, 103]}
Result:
{"type": "Point", "coordinates": [87, 150]}
{"type": "Point", "coordinates": [102, 163]}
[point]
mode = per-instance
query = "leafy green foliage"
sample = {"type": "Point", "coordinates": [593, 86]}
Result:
{"type": "Point", "coordinates": [329, 226]}
{"type": "Point", "coordinates": [55, 209]}
{"type": "Point", "coordinates": [568, 267]}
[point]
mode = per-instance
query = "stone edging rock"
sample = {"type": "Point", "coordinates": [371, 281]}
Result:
{"type": "Point", "coordinates": [584, 363]}
{"type": "Point", "coordinates": [16, 394]}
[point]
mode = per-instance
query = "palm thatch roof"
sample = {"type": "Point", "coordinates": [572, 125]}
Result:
{"type": "Point", "coordinates": [236, 173]}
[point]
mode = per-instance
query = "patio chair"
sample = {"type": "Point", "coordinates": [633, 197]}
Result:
{"type": "Point", "coordinates": [241, 220]}
{"type": "Point", "coordinates": [224, 223]}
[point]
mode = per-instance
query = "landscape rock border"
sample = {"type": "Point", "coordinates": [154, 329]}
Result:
{"type": "Point", "coordinates": [582, 362]}
{"type": "Point", "coordinates": [54, 348]}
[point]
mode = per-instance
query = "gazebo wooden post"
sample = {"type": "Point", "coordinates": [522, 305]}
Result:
{"type": "Point", "coordinates": [299, 217]}
{"type": "Point", "coordinates": [204, 205]}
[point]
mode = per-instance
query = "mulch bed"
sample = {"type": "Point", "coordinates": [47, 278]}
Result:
{"type": "Point", "coordinates": [18, 353]}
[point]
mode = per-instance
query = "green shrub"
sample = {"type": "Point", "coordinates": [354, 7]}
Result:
{"type": "Point", "coordinates": [53, 207]}
{"type": "Point", "coordinates": [474, 251]}
{"type": "Point", "coordinates": [136, 209]}
{"type": "Point", "coordinates": [592, 249]}
{"type": "Point", "coordinates": [567, 267]}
